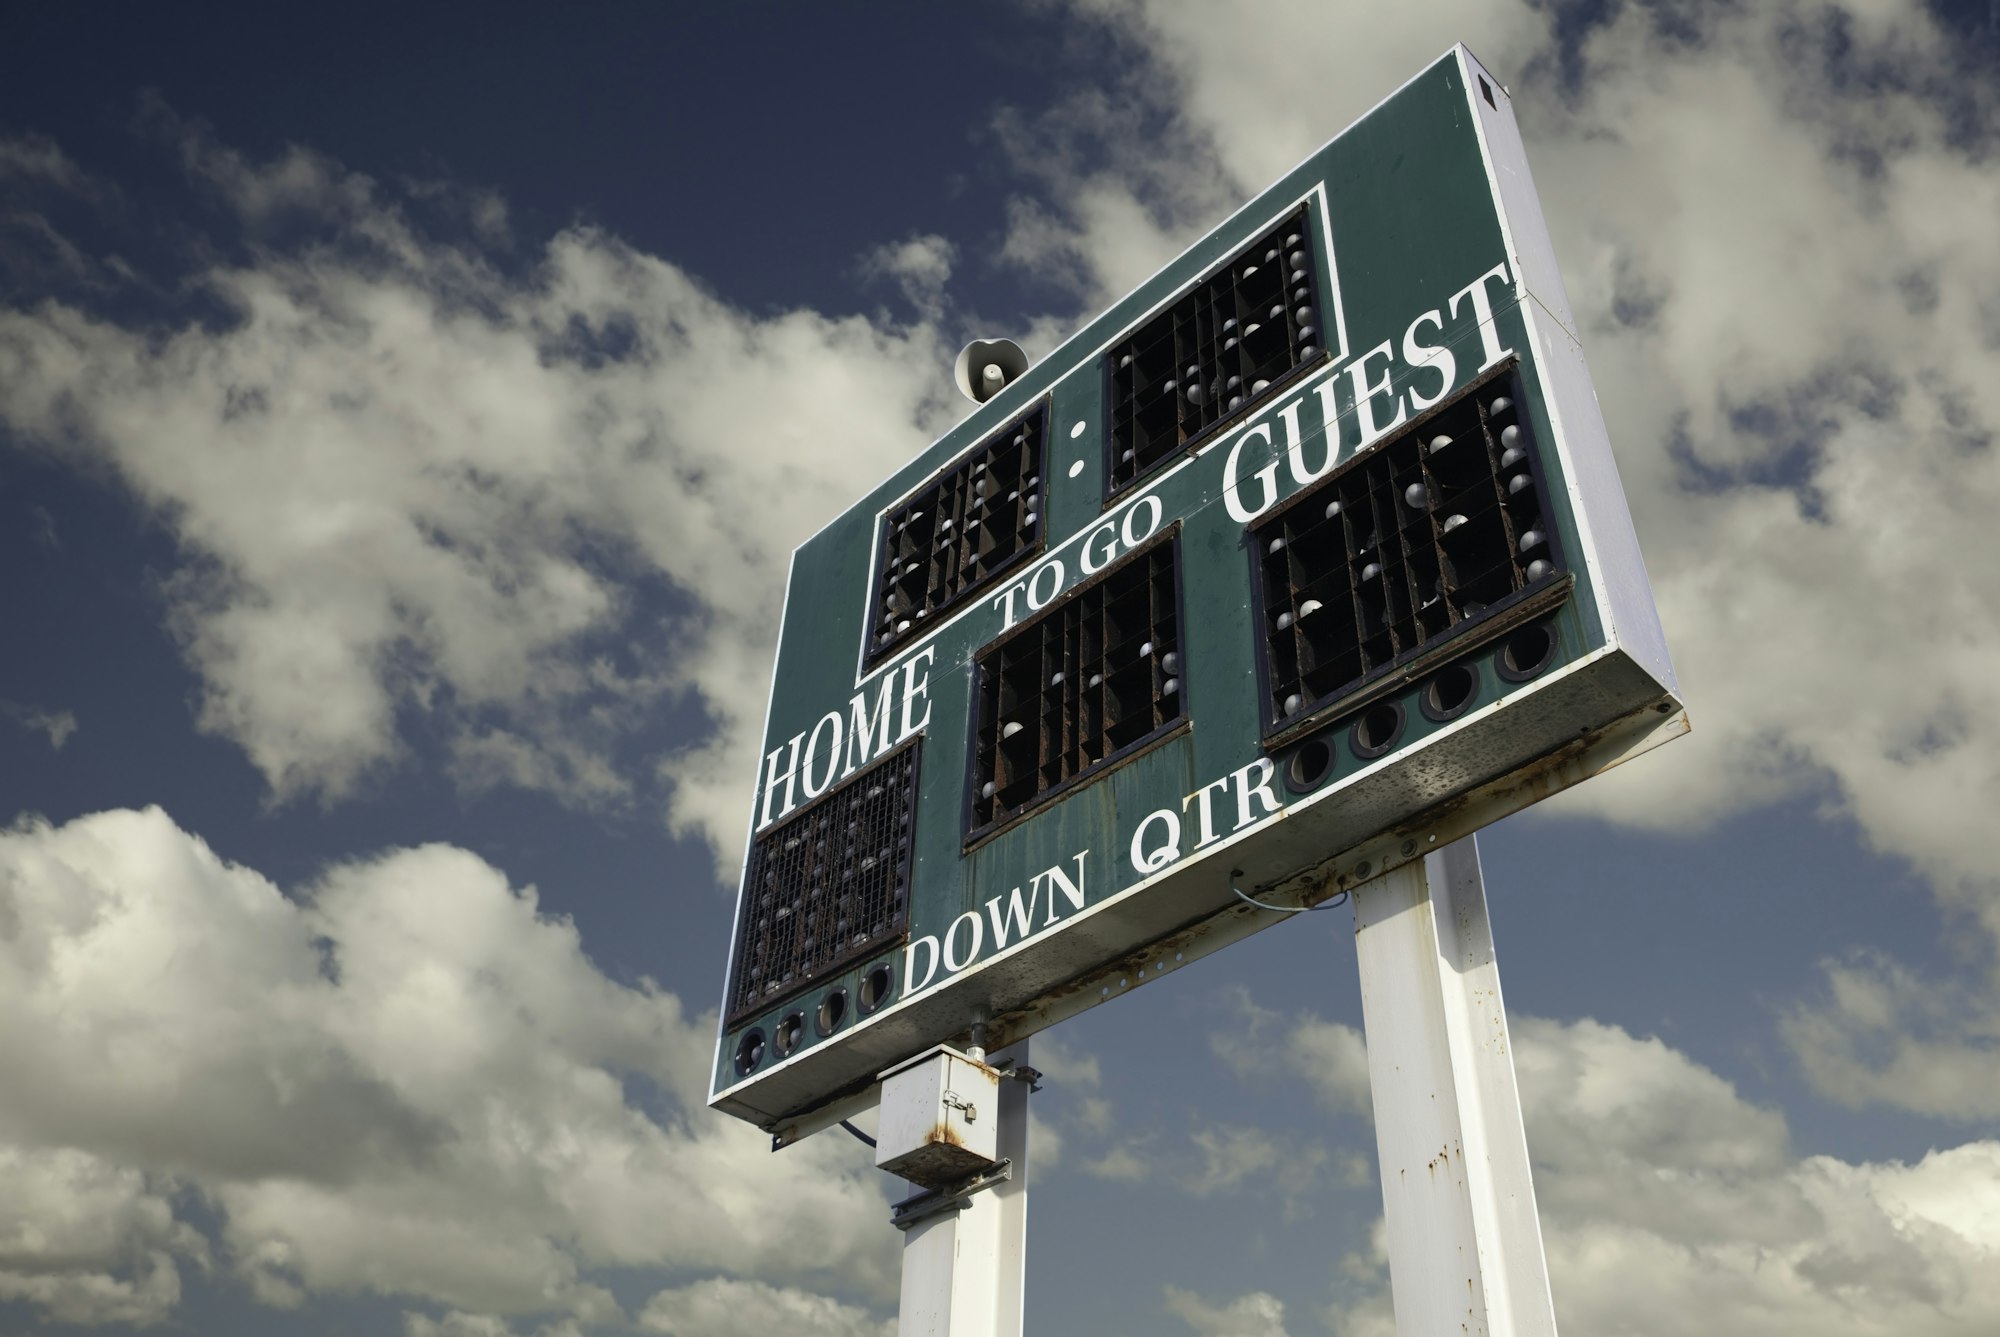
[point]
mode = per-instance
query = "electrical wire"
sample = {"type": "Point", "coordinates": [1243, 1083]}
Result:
{"type": "Point", "coordinates": [1235, 873]}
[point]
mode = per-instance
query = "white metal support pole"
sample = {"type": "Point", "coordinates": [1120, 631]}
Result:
{"type": "Point", "coordinates": [965, 1271]}
{"type": "Point", "coordinates": [1465, 1244]}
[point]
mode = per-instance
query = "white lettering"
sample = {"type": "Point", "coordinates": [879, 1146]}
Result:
{"type": "Point", "coordinates": [772, 779]}
{"type": "Point", "coordinates": [915, 687]}
{"type": "Point", "coordinates": [911, 984]}
{"type": "Point", "coordinates": [952, 961]}
{"type": "Point", "coordinates": [1482, 310]}
{"type": "Point", "coordinates": [1244, 789]}
{"type": "Point", "coordinates": [1429, 357]}
{"type": "Point", "coordinates": [1166, 851]}
{"type": "Point", "coordinates": [1152, 526]}
{"type": "Point", "coordinates": [832, 717]}
{"type": "Point", "coordinates": [1206, 812]}
{"type": "Point", "coordinates": [1020, 917]}
{"type": "Point", "coordinates": [1232, 499]}
{"type": "Point", "coordinates": [1058, 880]}
{"type": "Point", "coordinates": [1366, 390]}
{"type": "Point", "coordinates": [1006, 602]}
{"type": "Point", "coordinates": [1052, 567]}
{"type": "Point", "coordinates": [868, 737]}
{"type": "Point", "coordinates": [1092, 565]}
{"type": "Point", "coordinates": [1295, 446]}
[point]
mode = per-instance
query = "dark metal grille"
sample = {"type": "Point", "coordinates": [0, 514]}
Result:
{"type": "Point", "coordinates": [827, 886]}
{"type": "Point", "coordinates": [1217, 351]}
{"type": "Point", "coordinates": [1088, 680]}
{"type": "Point", "coordinates": [975, 521]}
{"type": "Point", "coordinates": [1407, 545]}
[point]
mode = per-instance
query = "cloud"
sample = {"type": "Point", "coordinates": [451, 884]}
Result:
{"type": "Point", "coordinates": [1880, 1033]}
{"type": "Point", "coordinates": [86, 1241]}
{"type": "Point", "coordinates": [421, 490]}
{"type": "Point", "coordinates": [57, 725]}
{"type": "Point", "coordinates": [1258, 1314]}
{"type": "Point", "coordinates": [1330, 1055]}
{"type": "Point", "coordinates": [724, 1307]}
{"type": "Point", "coordinates": [37, 158]}
{"type": "Point", "coordinates": [405, 1080]}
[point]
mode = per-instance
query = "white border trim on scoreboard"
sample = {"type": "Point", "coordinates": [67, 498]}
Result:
{"type": "Point", "coordinates": [749, 839]}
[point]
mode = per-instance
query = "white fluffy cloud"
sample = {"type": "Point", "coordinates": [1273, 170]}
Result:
{"type": "Point", "coordinates": [415, 489]}
{"type": "Point", "coordinates": [408, 1082]}
{"type": "Point", "coordinates": [1258, 1314]}
{"type": "Point", "coordinates": [83, 1240]}
{"type": "Point", "coordinates": [724, 1307]}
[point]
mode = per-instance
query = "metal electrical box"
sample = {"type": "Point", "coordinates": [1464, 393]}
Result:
{"type": "Point", "coordinates": [940, 1119]}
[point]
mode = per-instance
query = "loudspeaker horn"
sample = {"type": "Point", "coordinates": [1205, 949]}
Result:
{"type": "Point", "coordinates": [986, 366]}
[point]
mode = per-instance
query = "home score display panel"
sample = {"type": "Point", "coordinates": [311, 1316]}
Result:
{"type": "Point", "coordinates": [1307, 554]}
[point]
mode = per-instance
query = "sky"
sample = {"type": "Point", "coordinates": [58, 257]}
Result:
{"type": "Point", "coordinates": [406, 416]}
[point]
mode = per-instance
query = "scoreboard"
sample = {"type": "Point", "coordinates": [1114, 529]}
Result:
{"type": "Point", "coordinates": [1305, 558]}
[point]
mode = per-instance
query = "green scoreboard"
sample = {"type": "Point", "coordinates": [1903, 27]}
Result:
{"type": "Point", "coordinates": [1303, 559]}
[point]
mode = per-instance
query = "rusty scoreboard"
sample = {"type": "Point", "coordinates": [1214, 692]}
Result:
{"type": "Point", "coordinates": [1307, 557]}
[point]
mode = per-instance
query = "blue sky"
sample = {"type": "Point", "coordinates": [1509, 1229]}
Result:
{"type": "Point", "coordinates": [381, 400]}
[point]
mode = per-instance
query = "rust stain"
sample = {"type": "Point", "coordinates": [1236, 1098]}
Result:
{"type": "Point", "coordinates": [943, 1135]}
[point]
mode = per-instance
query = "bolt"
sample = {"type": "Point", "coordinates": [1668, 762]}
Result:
{"type": "Point", "coordinates": [1409, 848]}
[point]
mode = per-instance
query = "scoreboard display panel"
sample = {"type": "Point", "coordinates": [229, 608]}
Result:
{"type": "Point", "coordinates": [1303, 559]}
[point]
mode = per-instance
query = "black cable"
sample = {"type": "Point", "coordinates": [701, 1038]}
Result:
{"type": "Point", "coordinates": [857, 1132]}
